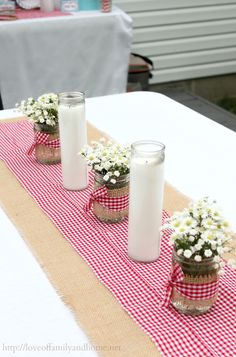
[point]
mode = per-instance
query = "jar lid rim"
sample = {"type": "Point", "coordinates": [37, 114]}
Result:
{"type": "Point", "coordinates": [148, 146]}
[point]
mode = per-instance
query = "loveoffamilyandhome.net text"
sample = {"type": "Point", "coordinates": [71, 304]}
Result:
{"type": "Point", "coordinates": [51, 347]}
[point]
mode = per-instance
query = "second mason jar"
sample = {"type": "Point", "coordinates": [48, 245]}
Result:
{"type": "Point", "coordinates": [117, 190]}
{"type": "Point", "coordinates": [73, 137]}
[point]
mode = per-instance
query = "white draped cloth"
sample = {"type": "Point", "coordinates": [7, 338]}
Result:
{"type": "Point", "coordinates": [87, 51]}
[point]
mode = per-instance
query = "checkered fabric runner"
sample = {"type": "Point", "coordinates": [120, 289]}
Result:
{"type": "Point", "coordinates": [191, 291]}
{"type": "Point", "coordinates": [137, 287]}
{"type": "Point", "coordinates": [113, 203]}
{"type": "Point", "coordinates": [42, 138]}
{"type": "Point", "coordinates": [36, 13]}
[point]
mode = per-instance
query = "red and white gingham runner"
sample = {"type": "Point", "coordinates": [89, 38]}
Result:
{"type": "Point", "coordinates": [191, 291]}
{"type": "Point", "coordinates": [42, 138]}
{"type": "Point", "coordinates": [138, 287]}
{"type": "Point", "coordinates": [113, 203]}
{"type": "Point", "coordinates": [36, 13]}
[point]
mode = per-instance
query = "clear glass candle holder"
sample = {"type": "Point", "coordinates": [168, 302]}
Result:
{"type": "Point", "coordinates": [145, 200]}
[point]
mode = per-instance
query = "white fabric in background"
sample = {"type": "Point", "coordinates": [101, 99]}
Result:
{"type": "Point", "coordinates": [87, 51]}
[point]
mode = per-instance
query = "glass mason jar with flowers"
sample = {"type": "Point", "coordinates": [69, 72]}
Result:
{"type": "Point", "coordinates": [43, 113]}
{"type": "Point", "coordinates": [110, 163]}
{"type": "Point", "coordinates": [200, 235]}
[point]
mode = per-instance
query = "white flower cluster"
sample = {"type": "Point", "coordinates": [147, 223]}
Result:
{"type": "Point", "coordinates": [44, 110]}
{"type": "Point", "coordinates": [200, 231]}
{"type": "Point", "coordinates": [107, 158]}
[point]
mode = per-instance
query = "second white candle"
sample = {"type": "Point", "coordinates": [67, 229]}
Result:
{"type": "Point", "coordinates": [145, 200]}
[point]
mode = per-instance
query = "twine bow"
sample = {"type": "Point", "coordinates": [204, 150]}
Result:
{"type": "Point", "coordinates": [113, 203]}
{"type": "Point", "coordinates": [192, 291]}
{"type": "Point", "coordinates": [42, 138]}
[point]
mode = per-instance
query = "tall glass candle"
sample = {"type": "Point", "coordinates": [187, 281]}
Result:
{"type": "Point", "coordinates": [73, 136]}
{"type": "Point", "coordinates": [145, 200]}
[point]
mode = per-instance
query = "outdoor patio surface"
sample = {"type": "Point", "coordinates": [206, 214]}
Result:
{"type": "Point", "coordinates": [203, 107]}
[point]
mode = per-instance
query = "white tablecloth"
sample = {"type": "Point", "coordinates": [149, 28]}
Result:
{"type": "Point", "coordinates": [199, 161]}
{"type": "Point", "coordinates": [87, 51]}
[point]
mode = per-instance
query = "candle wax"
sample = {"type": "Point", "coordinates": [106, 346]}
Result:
{"type": "Point", "coordinates": [145, 208]}
{"type": "Point", "coordinates": [73, 136]}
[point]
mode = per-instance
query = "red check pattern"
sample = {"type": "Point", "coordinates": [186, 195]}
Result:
{"type": "Point", "coordinates": [106, 5]}
{"type": "Point", "coordinates": [42, 138]}
{"type": "Point", "coordinates": [190, 291]}
{"type": "Point", "coordinates": [36, 13]}
{"type": "Point", "coordinates": [113, 203]}
{"type": "Point", "coordinates": [137, 287]}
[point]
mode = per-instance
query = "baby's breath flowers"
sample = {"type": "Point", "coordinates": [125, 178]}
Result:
{"type": "Point", "coordinates": [44, 110]}
{"type": "Point", "coordinates": [109, 159]}
{"type": "Point", "coordinates": [200, 232]}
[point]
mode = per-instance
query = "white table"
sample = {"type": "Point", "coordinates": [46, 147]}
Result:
{"type": "Point", "coordinates": [199, 152]}
{"type": "Point", "coordinates": [199, 161]}
{"type": "Point", "coordinates": [86, 51]}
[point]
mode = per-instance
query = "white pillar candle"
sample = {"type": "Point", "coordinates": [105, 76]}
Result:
{"type": "Point", "coordinates": [73, 137]}
{"type": "Point", "coordinates": [145, 200]}
{"type": "Point", "coordinates": [47, 5]}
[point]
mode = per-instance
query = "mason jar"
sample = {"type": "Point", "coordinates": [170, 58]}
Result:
{"type": "Point", "coordinates": [195, 273]}
{"type": "Point", "coordinates": [120, 188]}
{"type": "Point", "coordinates": [45, 154]}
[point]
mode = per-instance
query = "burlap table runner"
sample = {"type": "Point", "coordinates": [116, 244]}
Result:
{"type": "Point", "coordinates": [94, 307]}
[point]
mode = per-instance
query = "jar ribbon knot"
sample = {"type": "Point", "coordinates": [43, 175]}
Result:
{"type": "Point", "coordinates": [100, 195]}
{"type": "Point", "coordinates": [42, 138]}
{"type": "Point", "coordinates": [192, 291]}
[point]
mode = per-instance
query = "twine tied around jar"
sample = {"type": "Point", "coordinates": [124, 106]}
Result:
{"type": "Point", "coordinates": [100, 195]}
{"type": "Point", "coordinates": [192, 291]}
{"type": "Point", "coordinates": [42, 138]}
